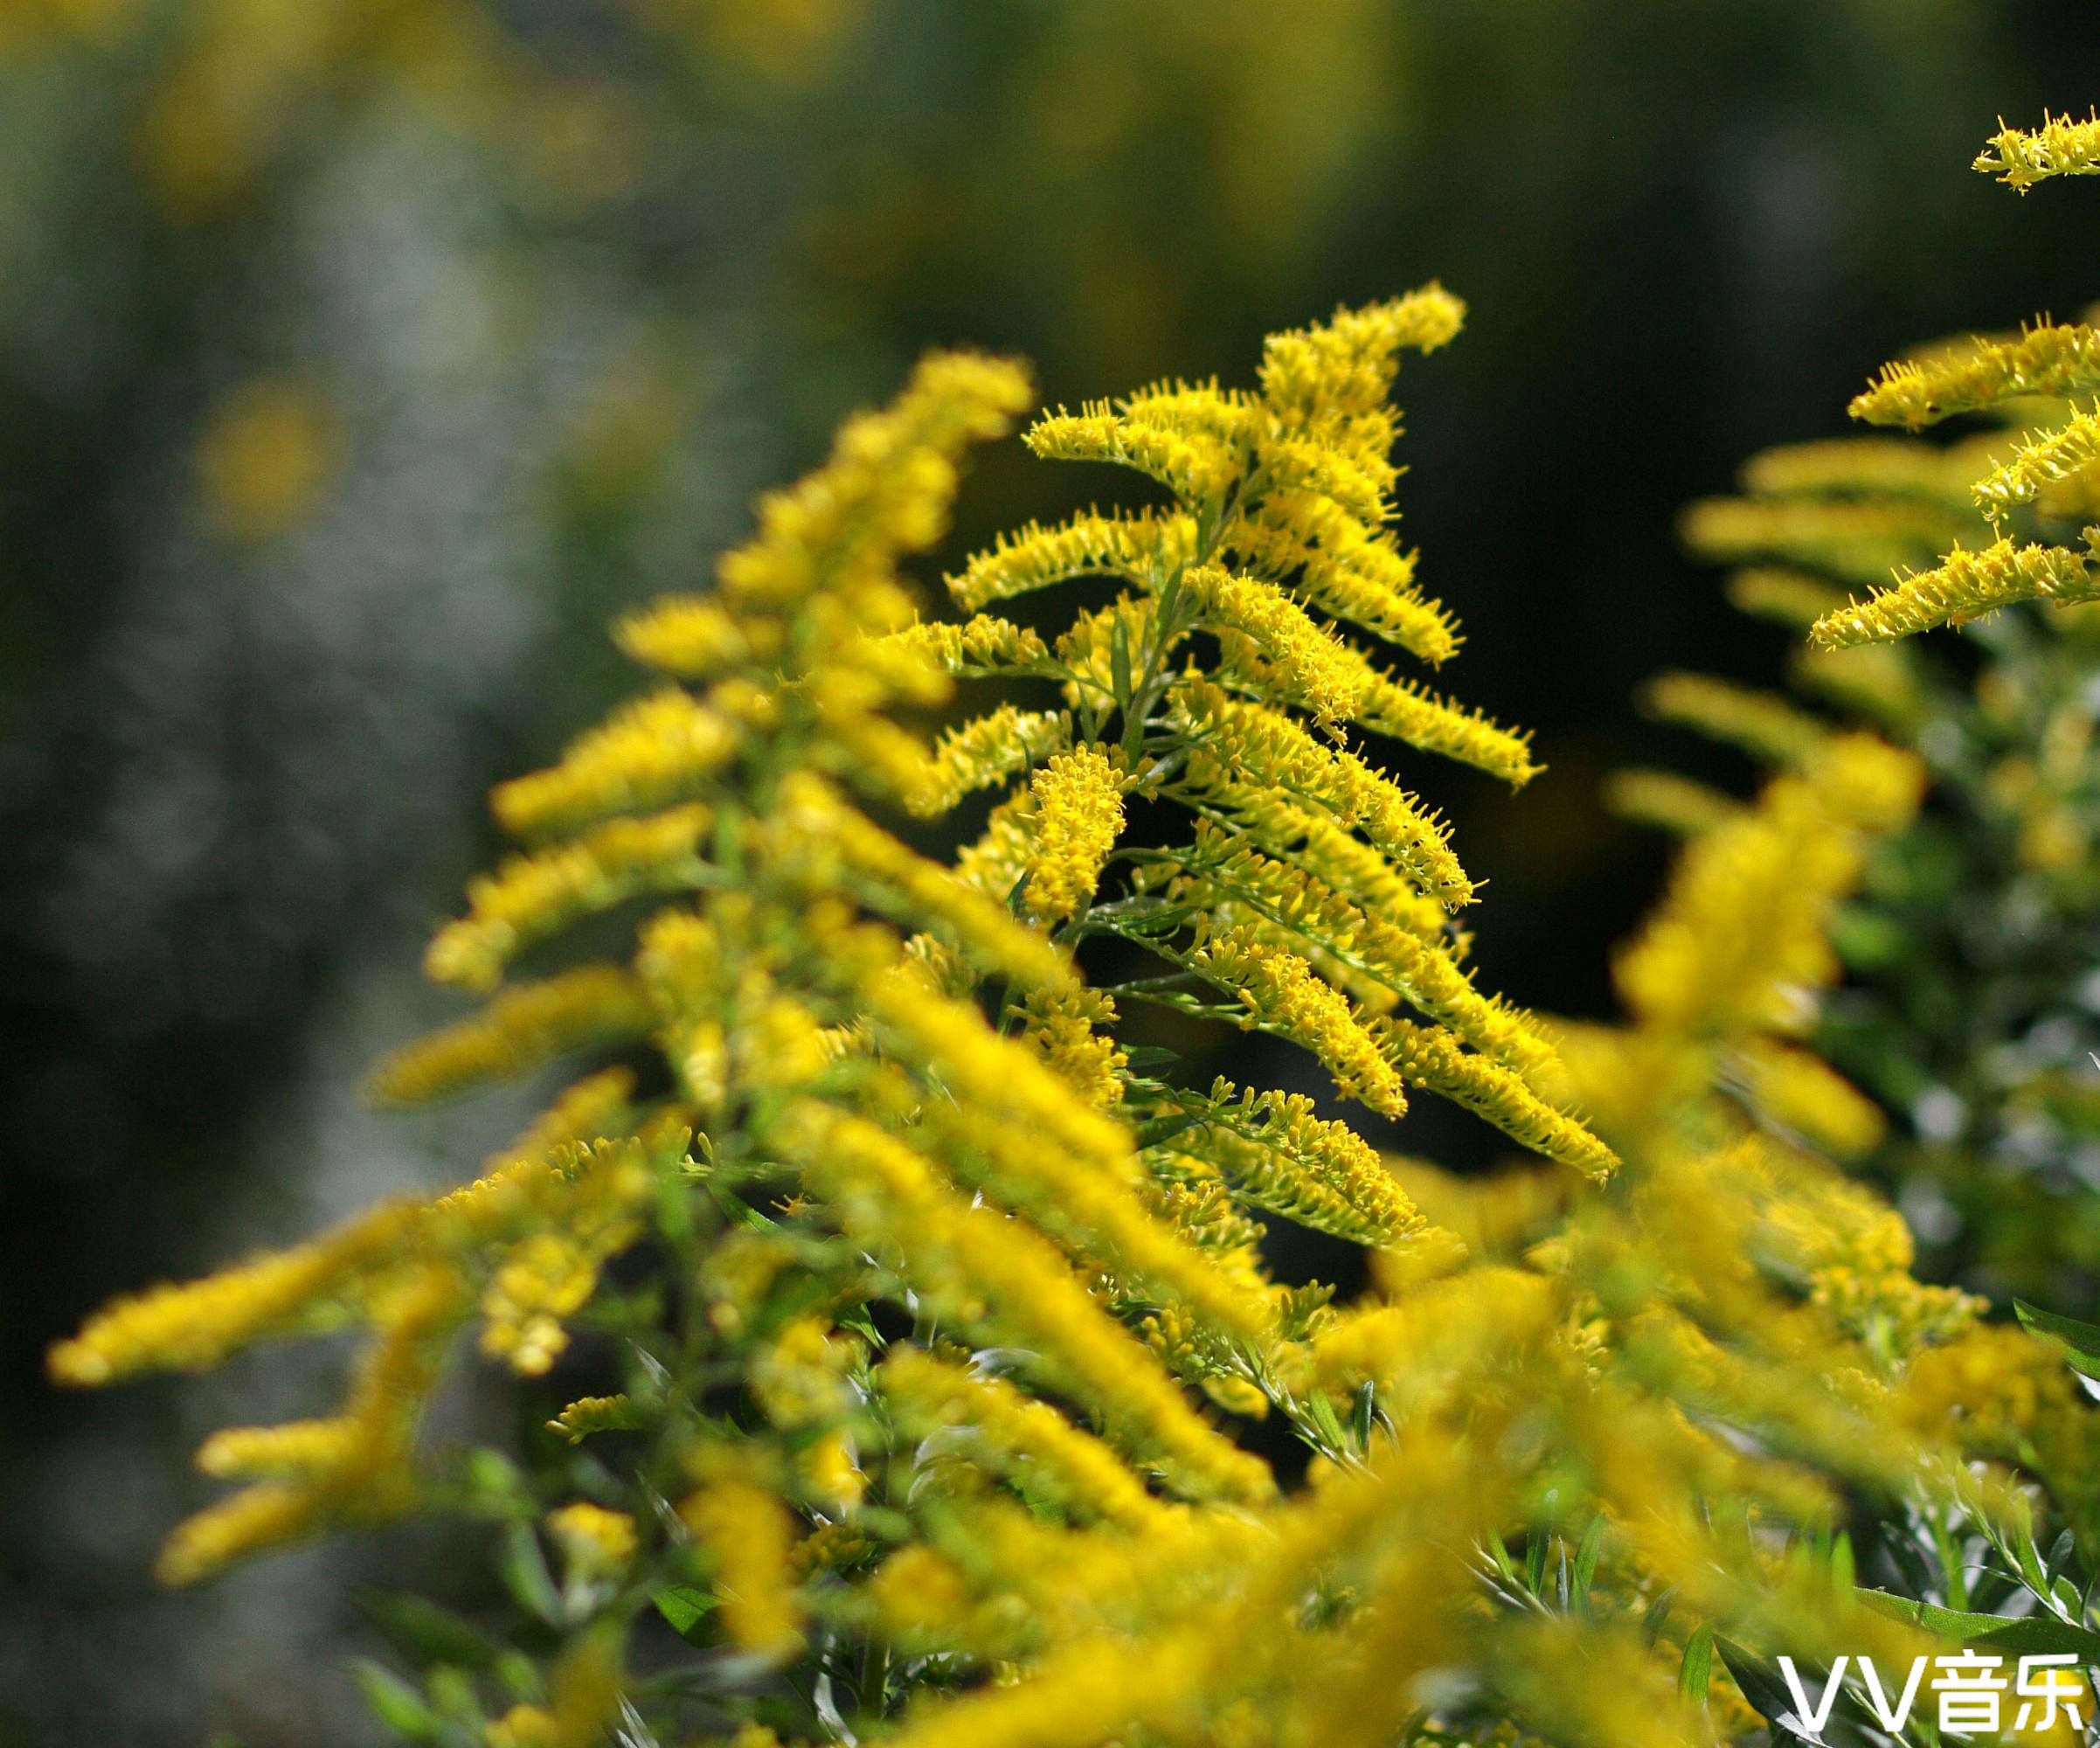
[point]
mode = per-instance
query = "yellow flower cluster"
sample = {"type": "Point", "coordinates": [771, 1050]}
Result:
{"type": "Point", "coordinates": [1962, 585]}
{"type": "Point", "coordinates": [1279, 1154]}
{"type": "Point", "coordinates": [996, 1274]}
{"type": "Point", "coordinates": [1078, 815]}
{"type": "Point", "coordinates": [1254, 746]}
{"type": "Point", "coordinates": [1668, 802]}
{"type": "Point", "coordinates": [1282, 994]}
{"type": "Point", "coordinates": [532, 897]}
{"type": "Point", "coordinates": [1045, 1452]}
{"type": "Point", "coordinates": [656, 751]}
{"type": "Point", "coordinates": [523, 1028]}
{"type": "Point", "coordinates": [746, 1535]}
{"type": "Point", "coordinates": [2055, 359]}
{"type": "Point", "coordinates": [2070, 452]}
{"type": "Point", "coordinates": [1741, 941]}
{"type": "Point", "coordinates": [1089, 545]}
{"type": "Point", "coordinates": [1762, 724]}
{"type": "Point", "coordinates": [988, 750]}
{"type": "Point", "coordinates": [927, 1284]}
{"type": "Point", "coordinates": [2062, 146]}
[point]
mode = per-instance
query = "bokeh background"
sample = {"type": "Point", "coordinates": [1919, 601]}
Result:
{"type": "Point", "coordinates": [359, 357]}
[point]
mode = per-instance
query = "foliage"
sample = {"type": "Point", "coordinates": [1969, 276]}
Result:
{"type": "Point", "coordinates": [1973, 1009]}
{"type": "Point", "coordinates": [912, 1318]}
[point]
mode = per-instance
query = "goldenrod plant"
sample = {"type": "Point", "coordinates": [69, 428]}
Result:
{"type": "Point", "coordinates": [1972, 1012]}
{"type": "Point", "coordinates": [901, 1326]}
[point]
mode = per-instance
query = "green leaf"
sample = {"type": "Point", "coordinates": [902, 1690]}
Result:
{"type": "Point", "coordinates": [1657, 1615]}
{"type": "Point", "coordinates": [2080, 1341]}
{"type": "Point", "coordinates": [1585, 1558]}
{"type": "Point", "coordinates": [1698, 1666]}
{"type": "Point", "coordinates": [1319, 1410]}
{"type": "Point", "coordinates": [685, 1607]}
{"type": "Point", "coordinates": [1535, 1562]}
{"type": "Point", "coordinates": [2037, 1635]}
{"type": "Point", "coordinates": [399, 1707]}
{"type": "Point", "coordinates": [523, 1568]}
{"type": "Point", "coordinates": [426, 1634]}
{"type": "Point", "coordinates": [1165, 1128]}
{"type": "Point", "coordinates": [1764, 1692]}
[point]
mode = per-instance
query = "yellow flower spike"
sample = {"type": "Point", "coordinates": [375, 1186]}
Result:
{"type": "Point", "coordinates": [1006, 1105]}
{"type": "Point", "coordinates": [1078, 817]}
{"type": "Point", "coordinates": [1342, 567]}
{"type": "Point", "coordinates": [1346, 363]}
{"type": "Point", "coordinates": [1431, 1057]}
{"type": "Point", "coordinates": [1312, 668]}
{"type": "Point", "coordinates": [1310, 840]}
{"type": "Point", "coordinates": [517, 1031]}
{"type": "Point", "coordinates": [1738, 941]}
{"type": "Point", "coordinates": [1865, 468]}
{"type": "Point", "coordinates": [981, 645]}
{"type": "Point", "coordinates": [1410, 712]}
{"type": "Point", "coordinates": [697, 637]}
{"type": "Point", "coordinates": [254, 1520]}
{"type": "Point", "coordinates": [1801, 1093]}
{"type": "Point", "coordinates": [595, 1543]}
{"type": "Point", "coordinates": [1060, 1029]}
{"type": "Point", "coordinates": [884, 489]}
{"type": "Point", "coordinates": [830, 1547]}
{"type": "Point", "coordinates": [660, 749]}
{"type": "Point", "coordinates": [988, 750]}
{"type": "Point", "coordinates": [799, 1377]}
{"type": "Point", "coordinates": [1193, 463]}
{"type": "Point", "coordinates": [193, 1327]}
{"type": "Point", "coordinates": [2062, 146]}
{"type": "Point", "coordinates": [533, 896]}
{"type": "Point", "coordinates": [1427, 1345]}
{"type": "Point", "coordinates": [829, 1478]}
{"type": "Point", "coordinates": [1253, 745]}
{"type": "Point", "coordinates": [590, 1414]}
{"type": "Point", "coordinates": [1859, 541]}
{"type": "Point", "coordinates": [2058, 360]}
{"type": "Point", "coordinates": [996, 864]}
{"type": "Point", "coordinates": [1028, 1440]}
{"type": "Point", "coordinates": [584, 1700]}
{"type": "Point", "coordinates": [294, 1451]}
{"type": "Point", "coordinates": [591, 1196]}
{"type": "Point", "coordinates": [1762, 724]}
{"type": "Point", "coordinates": [1355, 483]}
{"type": "Point", "coordinates": [1280, 1156]}
{"type": "Point", "coordinates": [746, 1535]}
{"type": "Point", "coordinates": [1227, 416]}
{"type": "Point", "coordinates": [1103, 1222]}
{"type": "Point", "coordinates": [1964, 585]}
{"type": "Point", "coordinates": [828, 843]}
{"type": "Point", "coordinates": [366, 1478]}
{"type": "Point", "coordinates": [2049, 459]}
{"type": "Point", "coordinates": [1136, 545]}
{"type": "Point", "coordinates": [1665, 802]}
{"type": "Point", "coordinates": [995, 1275]}
{"type": "Point", "coordinates": [1087, 647]}
{"type": "Point", "coordinates": [1357, 940]}
{"type": "Point", "coordinates": [1282, 994]}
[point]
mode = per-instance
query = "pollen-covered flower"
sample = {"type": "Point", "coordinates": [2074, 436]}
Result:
{"type": "Point", "coordinates": [1078, 817]}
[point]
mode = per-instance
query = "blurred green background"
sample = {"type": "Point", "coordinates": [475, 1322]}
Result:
{"type": "Point", "coordinates": [359, 357]}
